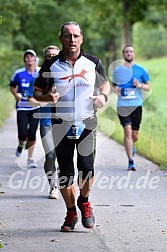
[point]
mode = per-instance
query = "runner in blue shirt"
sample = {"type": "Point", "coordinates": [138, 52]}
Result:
{"type": "Point", "coordinates": [26, 123]}
{"type": "Point", "coordinates": [129, 79]}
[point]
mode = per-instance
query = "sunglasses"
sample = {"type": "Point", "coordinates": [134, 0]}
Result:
{"type": "Point", "coordinates": [49, 56]}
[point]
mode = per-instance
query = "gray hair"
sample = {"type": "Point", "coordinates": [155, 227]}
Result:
{"type": "Point", "coordinates": [69, 23]}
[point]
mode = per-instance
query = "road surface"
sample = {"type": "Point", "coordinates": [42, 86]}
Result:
{"type": "Point", "coordinates": [130, 207]}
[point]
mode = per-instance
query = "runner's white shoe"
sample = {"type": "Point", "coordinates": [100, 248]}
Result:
{"type": "Point", "coordinates": [31, 163]}
{"type": "Point", "coordinates": [54, 193]}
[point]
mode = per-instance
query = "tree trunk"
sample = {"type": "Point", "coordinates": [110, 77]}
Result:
{"type": "Point", "coordinates": [127, 25]}
{"type": "Point", "coordinates": [126, 33]}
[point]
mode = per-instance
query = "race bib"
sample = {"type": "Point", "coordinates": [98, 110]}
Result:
{"type": "Point", "coordinates": [74, 129]}
{"type": "Point", "coordinates": [24, 94]}
{"type": "Point", "coordinates": [128, 93]}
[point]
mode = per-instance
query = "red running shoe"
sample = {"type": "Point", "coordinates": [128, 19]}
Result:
{"type": "Point", "coordinates": [88, 220]}
{"type": "Point", "coordinates": [70, 221]}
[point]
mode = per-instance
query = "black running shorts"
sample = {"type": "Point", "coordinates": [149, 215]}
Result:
{"type": "Point", "coordinates": [130, 116]}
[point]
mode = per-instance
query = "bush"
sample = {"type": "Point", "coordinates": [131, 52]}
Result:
{"type": "Point", "coordinates": [149, 41]}
{"type": "Point", "coordinates": [7, 103]}
{"type": "Point", "coordinates": [11, 60]}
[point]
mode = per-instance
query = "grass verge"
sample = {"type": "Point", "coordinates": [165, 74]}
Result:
{"type": "Point", "coordinates": [7, 104]}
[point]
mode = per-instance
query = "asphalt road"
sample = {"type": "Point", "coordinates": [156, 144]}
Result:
{"type": "Point", "coordinates": [130, 207]}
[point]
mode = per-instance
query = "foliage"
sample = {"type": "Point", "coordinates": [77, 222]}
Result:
{"type": "Point", "coordinates": [156, 37]}
{"type": "Point", "coordinates": [11, 61]}
{"type": "Point", "coordinates": [156, 16]}
{"type": "Point", "coordinates": [36, 23]}
{"type": "Point", "coordinates": [154, 31]}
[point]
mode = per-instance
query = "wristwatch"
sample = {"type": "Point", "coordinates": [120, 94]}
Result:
{"type": "Point", "coordinates": [105, 96]}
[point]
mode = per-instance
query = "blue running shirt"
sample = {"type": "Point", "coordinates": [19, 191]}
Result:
{"type": "Point", "coordinates": [21, 79]}
{"type": "Point", "coordinates": [123, 78]}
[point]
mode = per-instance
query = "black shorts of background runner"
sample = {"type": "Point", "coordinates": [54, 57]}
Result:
{"type": "Point", "coordinates": [130, 116]}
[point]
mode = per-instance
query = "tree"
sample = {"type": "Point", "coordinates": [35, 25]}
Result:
{"type": "Point", "coordinates": [107, 25]}
{"type": "Point", "coordinates": [132, 11]}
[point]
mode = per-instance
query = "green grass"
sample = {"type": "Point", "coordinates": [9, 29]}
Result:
{"type": "Point", "coordinates": [152, 141]}
{"type": "Point", "coordinates": [6, 104]}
